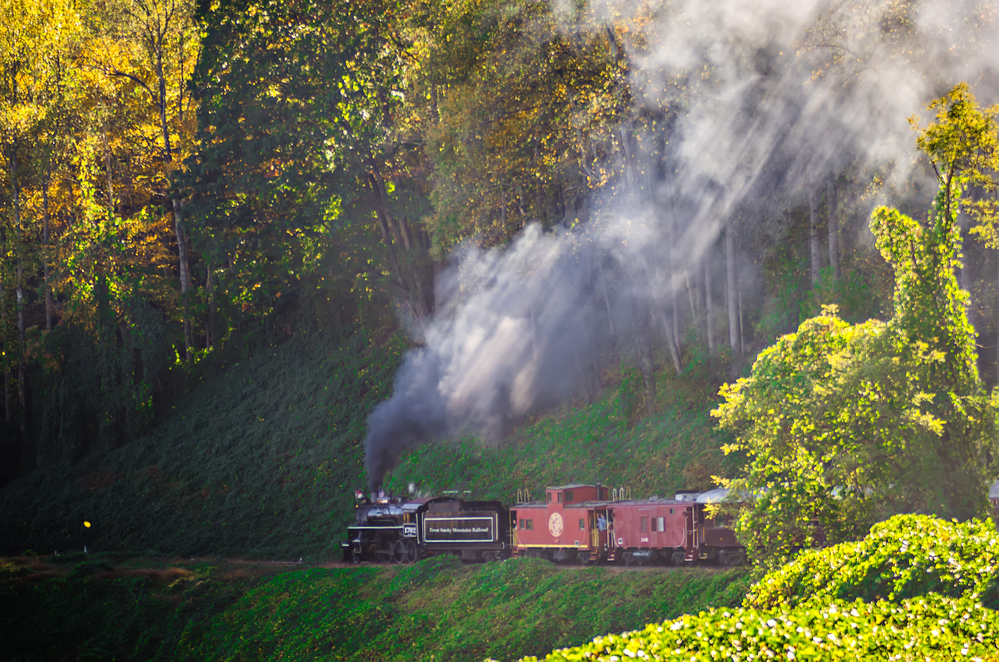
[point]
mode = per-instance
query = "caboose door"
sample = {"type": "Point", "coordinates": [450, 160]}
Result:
{"type": "Point", "coordinates": [599, 529]}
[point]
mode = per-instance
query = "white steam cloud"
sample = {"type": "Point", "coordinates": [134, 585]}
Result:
{"type": "Point", "coordinates": [772, 97]}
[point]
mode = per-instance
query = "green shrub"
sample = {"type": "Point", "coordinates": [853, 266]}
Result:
{"type": "Point", "coordinates": [903, 557]}
{"type": "Point", "coordinates": [930, 628]}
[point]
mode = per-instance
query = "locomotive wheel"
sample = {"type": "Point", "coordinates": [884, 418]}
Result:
{"type": "Point", "coordinates": [398, 552]}
{"type": "Point", "coordinates": [412, 553]}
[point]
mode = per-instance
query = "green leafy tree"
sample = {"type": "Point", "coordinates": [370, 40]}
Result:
{"type": "Point", "coordinates": [522, 119]}
{"type": "Point", "coordinates": [844, 425]}
{"type": "Point", "coordinates": [297, 101]}
{"type": "Point", "coordinates": [963, 148]}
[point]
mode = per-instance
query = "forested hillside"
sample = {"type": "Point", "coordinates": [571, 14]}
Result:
{"type": "Point", "coordinates": [226, 224]}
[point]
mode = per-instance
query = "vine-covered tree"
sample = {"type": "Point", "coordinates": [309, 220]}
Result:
{"type": "Point", "coordinates": [844, 425]}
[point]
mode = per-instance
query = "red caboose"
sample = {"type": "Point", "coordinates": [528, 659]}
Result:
{"type": "Point", "coordinates": [578, 523]}
{"type": "Point", "coordinates": [673, 531]}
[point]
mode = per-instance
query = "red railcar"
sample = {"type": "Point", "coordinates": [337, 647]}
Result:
{"type": "Point", "coordinates": [570, 525]}
{"type": "Point", "coordinates": [579, 523]}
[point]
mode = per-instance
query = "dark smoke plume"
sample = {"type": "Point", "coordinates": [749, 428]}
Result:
{"type": "Point", "coordinates": [778, 96]}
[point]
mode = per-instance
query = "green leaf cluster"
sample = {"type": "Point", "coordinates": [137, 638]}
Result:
{"type": "Point", "coordinates": [903, 557]}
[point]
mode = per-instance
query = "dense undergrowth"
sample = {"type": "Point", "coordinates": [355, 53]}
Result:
{"type": "Point", "coordinates": [437, 609]}
{"type": "Point", "coordinates": [261, 460]}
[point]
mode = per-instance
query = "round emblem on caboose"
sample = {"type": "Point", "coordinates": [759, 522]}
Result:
{"type": "Point", "coordinates": [555, 525]}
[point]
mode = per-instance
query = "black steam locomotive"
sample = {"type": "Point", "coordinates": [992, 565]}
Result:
{"type": "Point", "coordinates": [391, 530]}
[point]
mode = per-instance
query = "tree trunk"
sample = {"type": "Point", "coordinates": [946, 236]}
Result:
{"type": "Point", "coordinates": [813, 237]}
{"type": "Point", "coordinates": [185, 274]}
{"type": "Point", "coordinates": [22, 366]}
{"type": "Point", "coordinates": [674, 348]}
{"type": "Point", "coordinates": [22, 369]}
{"type": "Point", "coordinates": [161, 80]}
{"type": "Point", "coordinates": [646, 364]}
{"type": "Point", "coordinates": [210, 293]}
{"type": "Point", "coordinates": [708, 303]}
{"type": "Point", "coordinates": [671, 263]}
{"type": "Point", "coordinates": [45, 250]}
{"type": "Point", "coordinates": [603, 288]}
{"type": "Point", "coordinates": [692, 295]}
{"type": "Point", "coordinates": [831, 204]}
{"type": "Point", "coordinates": [742, 332]}
{"type": "Point", "coordinates": [733, 313]}
{"type": "Point", "coordinates": [8, 411]}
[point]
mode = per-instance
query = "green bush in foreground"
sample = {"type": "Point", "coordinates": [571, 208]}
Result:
{"type": "Point", "coordinates": [925, 628]}
{"type": "Point", "coordinates": [903, 557]}
{"type": "Point", "coordinates": [910, 590]}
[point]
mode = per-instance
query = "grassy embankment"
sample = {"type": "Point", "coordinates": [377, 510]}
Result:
{"type": "Point", "coordinates": [437, 609]}
{"type": "Point", "coordinates": [262, 461]}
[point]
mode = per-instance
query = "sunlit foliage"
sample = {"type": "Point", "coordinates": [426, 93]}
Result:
{"type": "Point", "coordinates": [844, 424]}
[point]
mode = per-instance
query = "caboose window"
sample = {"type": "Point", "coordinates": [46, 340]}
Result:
{"type": "Point", "coordinates": [522, 524]}
{"type": "Point", "coordinates": [549, 497]}
{"type": "Point", "coordinates": [560, 497]}
{"type": "Point", "coordinates": [530, 525]}
{"type": "Point", "coordinates": [568, 497]}
{"type": "Point", "coordinates": [582, 524]}
{"type": "Point", "coordinates": [670, 511]}
{"type": "Point", "coordinates": [660, 524]}
{"type": "Point", "coordinates": [645, 524]}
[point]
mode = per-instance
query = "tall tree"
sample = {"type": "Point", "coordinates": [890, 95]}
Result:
{"type": "Point", "coordinates": [963, 148]}
{"type": "Point", "coordinates": [152, 43]}
{"type": "Point", "coordinates": [32, 39]}
{"type": "Point", "coordinates": [846, 424]}
{"type": "Point", "coordinates": [295, 142]}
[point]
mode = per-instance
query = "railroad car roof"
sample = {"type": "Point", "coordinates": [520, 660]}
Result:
{"type": "Point", "coordinates": [605, 504]}
{"type": "Point", "coordinates": [639, 502]}
{"type": "Point", "coordinates": [716, 495]}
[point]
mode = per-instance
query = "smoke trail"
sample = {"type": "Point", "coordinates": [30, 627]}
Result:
{"type": "Point", "coordinates": [776, 96]}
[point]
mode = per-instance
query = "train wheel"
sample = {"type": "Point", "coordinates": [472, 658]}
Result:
{"type": "Point", "coordinates": [732, 557]}
{"type": "Point", "coordinates": [679, 557]}
{"type": "Point", "coordinates": [398, 552]}
{"type": "Point", "coordinates": [412, 553]}
{"type": "Point", "coordinates": [355, 557]}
